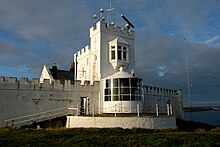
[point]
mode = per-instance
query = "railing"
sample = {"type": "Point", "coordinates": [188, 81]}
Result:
{"type": "Point", "coordinates": [37, 117]}
{"type": "Point", "coordinates": [51, 114]}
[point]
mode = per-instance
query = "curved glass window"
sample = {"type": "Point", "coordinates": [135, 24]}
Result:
{"type": "Point", "coordinates": [124, 82]}
{"type": "Point", "coordinates": [123, 89]}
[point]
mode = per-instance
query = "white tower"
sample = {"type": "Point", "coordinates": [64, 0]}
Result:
{"type": "Point", "coordinates": [111, 47]}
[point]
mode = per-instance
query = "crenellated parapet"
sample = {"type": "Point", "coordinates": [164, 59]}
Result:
{"type": "Point", "coordinates": [12, 83]}
{"type": "Point", "coordinates": [83, 52]}
{"type": "Point", "coordinates": [151, 90]}
{"type": "Point", "coordinates": [112, 29]}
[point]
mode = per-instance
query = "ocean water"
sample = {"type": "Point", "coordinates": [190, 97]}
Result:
{"type": "Point", "coordinates": [209, 117]}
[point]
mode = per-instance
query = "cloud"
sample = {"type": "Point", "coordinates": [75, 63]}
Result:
{"type": "Point", "coordinates": [34, 33]}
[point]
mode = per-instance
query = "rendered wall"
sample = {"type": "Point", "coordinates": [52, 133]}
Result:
{"type": "Point", "coordinates": [121, 122]}
{"type": "Point", "coordinates": [20, 98]}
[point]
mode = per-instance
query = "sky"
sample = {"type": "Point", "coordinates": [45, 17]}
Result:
{"type": "Point", "coordinates": [175, 39]}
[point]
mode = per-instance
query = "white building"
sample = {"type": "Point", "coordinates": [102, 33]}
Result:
{"type": "Point", "coordinates": [111, 47]}
{"type": "Point", "coordinates": [107, 66]}
{"type": "Point", "coordinates": [110, 59]}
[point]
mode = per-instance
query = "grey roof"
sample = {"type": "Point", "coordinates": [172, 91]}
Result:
{"type": "Point", "coordinates": [63, 75]}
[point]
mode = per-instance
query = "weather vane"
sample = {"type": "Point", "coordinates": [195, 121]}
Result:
{"type": "Point", "coordinates": [110, 11]}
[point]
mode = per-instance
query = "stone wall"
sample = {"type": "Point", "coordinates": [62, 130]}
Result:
{"type": "Point", "coordinates": [162, 122]}
{"type": "Point", "coordinates": [20, 97]}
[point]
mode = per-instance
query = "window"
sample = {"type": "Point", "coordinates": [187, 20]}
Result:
{"type": "Point", "coordinates": [119, 54]}
{"type": "Point", "coordinates": [113, 54]}
{"type": "Point", "coordinates": [115, 82]}
{"type": "Point", "coordinates": [124, 56]}
{"type": "Point", "coordinates": [108, 83]}
{"type": "Point", "coordinates": [107, 90]}
{"type": "Point", "coordinates": [122, 53]}
{"type": "Point", "coordinates": [124, 82]}
{"type": "Point", "coordinates": [123, 89]}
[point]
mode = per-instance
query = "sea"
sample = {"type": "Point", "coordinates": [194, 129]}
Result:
{"type": "Point", "coordinates": [208, 117]}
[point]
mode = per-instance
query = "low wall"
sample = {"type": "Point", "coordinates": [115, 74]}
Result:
{"type": "Point", "coordinates": [163, 122]}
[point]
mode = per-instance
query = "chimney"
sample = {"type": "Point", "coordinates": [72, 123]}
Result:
{"type": "Point", "coordinates": [71, 66]}
{"type": "Point", "coordinates": [72, 69]}
{"type": "Point", "coordinates": [54, 71]}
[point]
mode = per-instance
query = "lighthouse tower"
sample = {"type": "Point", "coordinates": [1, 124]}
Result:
{"type": "Point", "coordinates": [111, 47]}
{"type": "Point", "coordinates": [110, 59]}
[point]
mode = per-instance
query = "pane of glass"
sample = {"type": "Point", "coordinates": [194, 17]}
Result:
{"type": "Point", "coordinates": [115, 90]}
{"type": "Point", "coordinates": [124, 48]}
{"type": "Point", "coordinates": [119, 47]}
{"type": "Point", "coordinates": [106, 91]}
{"type": "Point", "coordinates": [115, 82]}
{"type": "Point", "coordinates": [125, 97]}
{"type": "Point", "coordinates": [134, 83]}
{"type": "Point", "coordinates": [115, 98]}
{"type": "Point", "coordinates": [134, 91]}
{"type": "Point", "coordinates": [119, 55]}
{"type": "Point", "coordinates": [124, 82]}
{"type": "Point", "coordinates": [134, 97]}
{"type": "Point", "coordinates": [113, 54]}
{"type": "Point", "coordinates": [113, 47]}
{"type": "Point", "coordinates": [124, 56]}
{"type": "Point", "coordinates": [108, 83]}
{"type": "Point", "coordinates": [125, 91]}
{"type": "Point", "coordinates": [107, 98]}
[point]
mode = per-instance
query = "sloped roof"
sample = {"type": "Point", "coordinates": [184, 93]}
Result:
{"type": "Point", "coordinates": [63, 75]}
{"type": "Point", "coordinates": [120, 40]}
{"type": "Point", "coordinates": [121, 74]}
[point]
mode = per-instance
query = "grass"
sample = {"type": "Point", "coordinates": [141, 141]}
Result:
{"type": "Point", "coordinates": [108, 137]}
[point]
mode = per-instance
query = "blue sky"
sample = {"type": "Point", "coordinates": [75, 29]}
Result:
{"type": "Point", "coordinates": [169, 34]}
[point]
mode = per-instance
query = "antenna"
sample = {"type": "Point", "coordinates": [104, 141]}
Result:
{"type": "Point", "coordinates": [129, 24]}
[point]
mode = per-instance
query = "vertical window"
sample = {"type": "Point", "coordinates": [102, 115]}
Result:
{"type": "Point", "coordinates": [107, 91]}
{"type": "Point", "coordinates": [113, 54]}
{"type": "Point", "coordinates": [108, 83]}
{"type": "Point", "coordinates": [124, 56]}
{"type": "Point", "coordinates": [119, 54]}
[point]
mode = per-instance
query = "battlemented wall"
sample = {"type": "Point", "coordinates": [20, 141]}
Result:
{"type": "Point", "coordinates": [21, 97]}
{"type": "Point", "coordinates": [111, 28]}
{"type": "Point", "coordinates": [163, 98]}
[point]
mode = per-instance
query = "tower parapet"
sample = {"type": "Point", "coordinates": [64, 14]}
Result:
{"type": "Point", "coordinates": [83, 52]}
{"type": "Point", "coordinates": [112, 29]}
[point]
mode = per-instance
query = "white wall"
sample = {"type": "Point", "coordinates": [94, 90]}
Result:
{"type": "Point", "coordinates": [121, 122]}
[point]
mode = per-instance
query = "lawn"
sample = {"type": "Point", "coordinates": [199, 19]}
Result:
{"type": "Point", "coordinates": [108, 137]}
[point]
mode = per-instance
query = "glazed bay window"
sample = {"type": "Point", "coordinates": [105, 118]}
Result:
{"type": "Point", "coordinates": [123, 89]}
{"type": "Point", "coordinates": [118, 52]}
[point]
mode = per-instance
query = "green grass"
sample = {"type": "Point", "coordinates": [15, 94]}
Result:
{"type": "Point", "coordinates": [108, 137]}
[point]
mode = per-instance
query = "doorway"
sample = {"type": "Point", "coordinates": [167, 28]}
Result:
{"type": "Point", "coordinates": [84, 107]}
